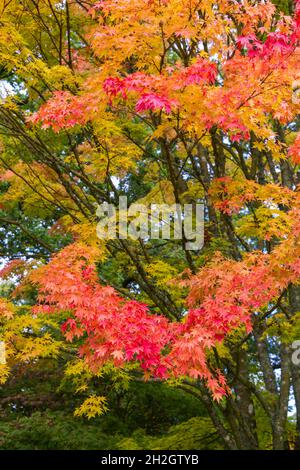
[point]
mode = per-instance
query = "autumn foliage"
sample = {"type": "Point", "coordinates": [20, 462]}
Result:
{"type": "Point", "coordinates": [164, 101]}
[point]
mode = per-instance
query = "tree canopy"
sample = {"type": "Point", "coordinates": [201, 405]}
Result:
{"type": "Point", "coordinates": [164, 102]}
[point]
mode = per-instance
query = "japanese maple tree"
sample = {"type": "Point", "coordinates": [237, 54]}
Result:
{"type": "Point", "coordinates": [162, 101]}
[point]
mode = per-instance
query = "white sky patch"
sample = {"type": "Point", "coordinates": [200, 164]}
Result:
{"type": "Point", "coordinates": [5, 89]}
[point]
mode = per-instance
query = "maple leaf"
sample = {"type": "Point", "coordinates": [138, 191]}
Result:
{"type": "Point", "coordinates": [153, 102]}
{"type": "Point", "coordinates": [113, 86]}
{"type": "Point", "coordinates": [63, 110]}
{"type": "Point", "coordinates": [92, 407]}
